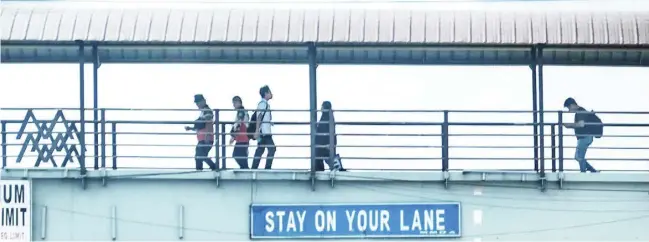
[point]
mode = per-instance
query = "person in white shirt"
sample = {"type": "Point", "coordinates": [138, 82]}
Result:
{"type": "Point", "coordinates": [263, 134]}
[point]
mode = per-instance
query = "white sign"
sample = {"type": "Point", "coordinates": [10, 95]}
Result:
{"type": "Point", "coordinates": [16, 214]}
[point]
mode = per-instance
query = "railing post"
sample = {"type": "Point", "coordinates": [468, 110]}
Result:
{"type": "Point", "coordinates": [332, 140]}
{"type": "Point", "coordinates": [223, 149]}
{"type": "Point", "coordinates": [313, 106]}
{"type": "Point", "coordinates": [82, 107]}
{"type": "Point", "coordinates": [103, 137]}
{"type": "Point", "coordinates": [541, 115]}
{"type": "Point", "coordinates": [535, 114]}
{"type": "Point", "coordinates": [114, 144]}
{"type": "Point", "coordinates": [553, 147]}
{"type": "Point", "coordinates": [95, 103]}
{"type": "Point", "coordinates": [217, 151]}
{"type": "Point", "coordinates": [560, 148]}
{"type": "Point", "coordinates": [3, 130]}
{"type": "Point", "coordinates": [95, 135]}
{"type": "Point", "coordinates": [445, 142]}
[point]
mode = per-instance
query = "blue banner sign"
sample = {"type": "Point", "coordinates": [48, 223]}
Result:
{"type": "Point", "coordinates": [355, 220]}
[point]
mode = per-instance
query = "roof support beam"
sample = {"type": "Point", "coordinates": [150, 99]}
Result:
{"type": "Point", "coordinates": [313, 106]}
{"type": "Point", "coordinates": [82, 108]}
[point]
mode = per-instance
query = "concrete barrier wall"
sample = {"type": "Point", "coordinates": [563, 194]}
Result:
{"type": "Point", "coordinates": [148, 209]}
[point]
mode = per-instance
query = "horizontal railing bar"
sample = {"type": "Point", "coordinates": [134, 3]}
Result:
{"type": "Point", "coordinates": [337, 110]}
{"type": "Point", "coordinates": [290, 123]}
{"type": "Point", "coordinates": [306, 169]}
{"type": "Point", "coordinates": [368, 146]}
{"type": "Point", "coordinates": [274, 134]}
{"type": "Point", "coordinates": [355, 134]}
{"type": "Point", "coordinates": [278, 146]}
{"type": "Point", "coordinates": [546, 135]}
{"type": "Point", "coordinates": [346, 123]}
{"type": "Point", "coordinates": [359, 158]}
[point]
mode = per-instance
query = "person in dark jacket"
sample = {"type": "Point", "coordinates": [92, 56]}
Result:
{"type": "Point", "coordinates": [239, 133]}
{"type": "Point", "coordinates": [204, 127]}
{"type": "Point", "coordinates": [326, 133]}
{"type": "Point", "coordinates": [583, 131]}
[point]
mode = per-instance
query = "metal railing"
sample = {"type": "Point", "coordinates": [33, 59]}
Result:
{"type": "Point", "coordinates": [436, 137]}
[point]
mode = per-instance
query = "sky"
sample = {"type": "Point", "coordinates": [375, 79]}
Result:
{"type": "Point", "coordinates": [172, 86]}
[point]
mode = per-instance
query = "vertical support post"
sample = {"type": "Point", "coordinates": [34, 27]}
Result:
{"type": "Point", "coordinates": [113, 222]}
{"type": "Point", "coordinates": [3, 131]}
{"type": "Point", "coordinates": [181, 222]}
{"type": "Point", "coordinates": [217, 150]}
{"type": "Point", "coordinates": [43, 222]}
{"type": "Point", "coordinates": [313, 106]}
{"type": "Point", "coordinates": [535, 113]}
{"type": "Point", "coordinates": [332, 141]}
{"type": "Point", "coordinates": [114, 145]}
{"type": "Point", "coordinates": [445, 142]}
{"type": "Point", "coordinates": [541, 113]}
{"type": "Point", "coordinates": [223, 150]}
{"type": "Point", "coordinates": [553, 144]}
{"type": "Point", "coordinates": [103, 138]}
{"type": "Point", "coordinates": [95, 103]}
{"type": "Point", "coordinates": [560, 148]}
{"type": "Point", "coordinates": [82, 107]}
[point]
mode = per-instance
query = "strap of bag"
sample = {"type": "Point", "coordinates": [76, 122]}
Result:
{"type": "Point", "coordinates": [261, 118]}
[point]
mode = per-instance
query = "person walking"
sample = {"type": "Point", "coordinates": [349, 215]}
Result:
{"type": "Point", "coordinates": [585, 130]}
{"type": "Point", "coordinates": [239, 133]}
{"type": "Point", "coordinates": [263, 133]}
{"type": "Point", "coordinates": [204, 127]}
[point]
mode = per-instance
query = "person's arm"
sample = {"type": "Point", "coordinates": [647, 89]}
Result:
{"type": "Point", "coordinates": [196, 126]}
{"type": "Point", "coordinates": [236, 127]}
{"type": "Point", "coordinates": [239, 122]}
{"type": "Point", "coordinates": [579, 124]}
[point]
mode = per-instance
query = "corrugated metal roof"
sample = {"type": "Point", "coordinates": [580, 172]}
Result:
{"type": "Point", "coordinates": [60, 24]}
{"type": "Point", "coordinates": [323, 25]}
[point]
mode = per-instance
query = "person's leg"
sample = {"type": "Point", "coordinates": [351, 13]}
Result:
{"type": "Point", "coordinates": [258, 152]}
{"type": "Point", "coordinates": [271, 151]}
{"type": "Point", "coordinates": [205, 147]}
{"type": "Point", "coordinates": [331, 159]}
{"type": "Point", "coordinates": [319, 159]}
{"type": "Point", "coordinates": [240, 154]}
{"type": "Point", "coordinates": [246, 149]}
{"type": "Point", "coordinates": [589, 167]}
{"type": "Point", "coordinates": [197, 156]}
{"type": "Point", "coordinates": [580, 154]}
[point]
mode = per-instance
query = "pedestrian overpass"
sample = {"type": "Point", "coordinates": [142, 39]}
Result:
{"type": "Point", "coordinates": [66, 175]}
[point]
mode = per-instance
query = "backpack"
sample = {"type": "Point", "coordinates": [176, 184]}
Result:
{"type": "Point", "coordinates": [252, 127]}
{"type": "Point", "coordinates": [596, 130]}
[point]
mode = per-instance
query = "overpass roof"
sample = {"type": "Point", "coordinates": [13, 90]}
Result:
{"type": "Point", "coordinates": [221, 34]}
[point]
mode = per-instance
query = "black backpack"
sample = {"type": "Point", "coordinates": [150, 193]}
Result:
{"type": "Point", "coordinates": [252, 126]}
{"type": "Point", "coordinates": [598, 129]}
